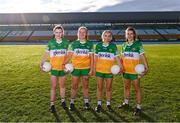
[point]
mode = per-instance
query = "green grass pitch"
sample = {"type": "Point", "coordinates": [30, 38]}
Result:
{"type": "Point", "coordinates": [25, 90]}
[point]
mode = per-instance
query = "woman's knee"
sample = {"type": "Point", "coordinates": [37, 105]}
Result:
{"type": "Point", "coordinates": [109, 89]}
{"type": "Point", "coordinates": [100, 87]}
{"type": "Point", "coordinates": [74, 86]}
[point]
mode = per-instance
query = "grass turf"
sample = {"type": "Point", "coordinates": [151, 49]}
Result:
{"type": "Point", "coordinates": [25, 90]}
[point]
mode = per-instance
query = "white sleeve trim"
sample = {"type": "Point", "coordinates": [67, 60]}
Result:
{"type": "Point", "coordinates": [47, 51]}
{"type": "Point", "coordinates": [117, 55]}
{"type": "Point", "coordinates": [142, 53]}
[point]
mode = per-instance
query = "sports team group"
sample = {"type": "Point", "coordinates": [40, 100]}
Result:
{"type": "Point", "coordinates": [88, 61]}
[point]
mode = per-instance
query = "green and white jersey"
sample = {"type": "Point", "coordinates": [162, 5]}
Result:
{"type": "Point", "coordinates": [131, 55]}
{"type": "Point", "coordinates": [57, 52]}
{"type": "Point", "coordinates": [106, 57]}
{"type": "Point", "coordinates": [81, 54]}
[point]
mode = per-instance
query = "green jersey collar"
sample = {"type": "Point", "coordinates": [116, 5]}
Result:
{"type": "Point", "coordinates": [105, 45]}
{"type": "Point", "coordinates": [130, 43]}
{"type": "Point", "coordinates": [82, 42]}
{"type": "Point", "coordinates": [59, 41]}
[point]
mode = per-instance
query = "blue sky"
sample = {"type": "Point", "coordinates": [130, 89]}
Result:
{"type": "Point", "coordinates": [25, 6]}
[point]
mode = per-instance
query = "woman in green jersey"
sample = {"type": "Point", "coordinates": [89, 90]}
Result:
{"type": "Point", "coordinates": [81, 55]}
{"type": "Point", "coordinates": [105, 56]}
{"type": "Point", "coordinates": [132, 52]}
{"type": "Point", "coordinates": [57, 50]}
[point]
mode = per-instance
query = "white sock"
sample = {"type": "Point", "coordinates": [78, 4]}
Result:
{"type": "Point", "coordinates": [62, 99]}
{"type": "Point", "coordinates": [99, 102]}
{"type": "Point", "coordinates": [138, 106]}
{"type": "Point", "coordinates": [86, 100]}
{"type": "Point", "coordinates": [108, 103]}
{"type": "Point", "coordinates": [72, 100]}
{"type": "Point", "coordinates": [52, 103]}
{"type": "Point", "coordinates": [126, 101]}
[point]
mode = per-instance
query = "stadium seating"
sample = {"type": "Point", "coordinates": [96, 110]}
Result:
{"type": "Point", "coordinates": [41, 35]}
{"type": "Point", "coordinates": [153, 32]}
{"type": "Point", "coordinates": [3, 34]}
{"type": "Point", "coordinates": [17, 36]}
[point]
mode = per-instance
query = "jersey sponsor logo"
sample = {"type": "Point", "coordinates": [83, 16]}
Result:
{"type": "Point", "coordinates": [128, 54]}
{"type": "Point", "coordinates": [81, 52]}
{"type": "Point", "coordinates": [61, 52]}
{"type": "Point", "coordinates": [106, 55]}
{"type": "Point", "coordinates": [131, 55]}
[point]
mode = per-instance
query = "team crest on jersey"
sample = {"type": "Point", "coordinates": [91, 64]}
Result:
{"type": "Point", "coordinates": [53, 46]}
{"type": "Point", "coordinates": [133, 49]}
{"type": "Point", "coordinates": [128, 47]}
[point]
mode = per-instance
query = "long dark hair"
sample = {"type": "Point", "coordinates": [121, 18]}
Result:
{"type": "Point", "coordinates": [133, 30]}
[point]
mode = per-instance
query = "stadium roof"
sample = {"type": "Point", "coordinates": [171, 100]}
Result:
{"type": "Point", "coordinates": [90, 17]}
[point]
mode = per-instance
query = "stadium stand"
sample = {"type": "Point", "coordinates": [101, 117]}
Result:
{"type": "Point", "coordinates": [17, 36]}
{"type": "Point", "coordinates": [3, 34]}
{"type": "Point", "coordinates": [41, 35]}
{"type": "Point", "coordinates": [150, 26]}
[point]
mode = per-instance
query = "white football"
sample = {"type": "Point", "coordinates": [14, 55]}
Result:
{"type": "Point", "coordinates": [139, 68]}
{"type": "Point", "coordinates": [46, 67]}
{"type": "Point", "coordinates": [115, 69]}
{"type": "Point", "coordinates": [69, 68]}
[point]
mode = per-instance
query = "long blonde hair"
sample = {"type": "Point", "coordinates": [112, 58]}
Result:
{"type": "Point", "coordinates": [106, 31]}
{"type": "Point", "coordinates": [83, 27]}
